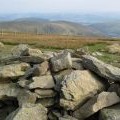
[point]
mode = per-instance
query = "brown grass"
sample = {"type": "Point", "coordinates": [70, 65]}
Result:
{"type": "Point", "coordinates": [50, 41]}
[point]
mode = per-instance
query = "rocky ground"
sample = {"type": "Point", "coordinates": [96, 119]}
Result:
{"type": "Point", "coordinates": [63, 85]}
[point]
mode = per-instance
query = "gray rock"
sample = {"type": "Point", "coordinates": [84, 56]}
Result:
{"type": "Point", "coordinates": [61, 62]}
{"type": "Point", "coordinates": [59, 77]}
{"type": "Point", "coordinates": [46, 102]}
{"type": "Point", "coordinates": [77, 64]}
{"type": "Point", "coordinates": [43, 82]}
{"type": "Point", "coordinates": [45, 93]}
{"type": "Point", "coordinates": [25, 97]}
{"type": "Point", "coordinates": [32, 52]}
{"type": "Point", "coordinates": [83, 81]}
{"type": "Point", "coordinates": [41, 69]}
{"type": "Point", "coordinates": [19, 49]}
{"type": "Point", "coordinates": [110, 113]}
{"type": "Point", "coordinates": [32, 59]}
{"type": "Point", "coordinates": [9, 90]}
{"type": "Point", "coordinates": [104, 70]}
{"type": "Point", "coordinates": [114, 88]}
{"type": "Point", "coordinates": [29, 112]}
{"type": "Point", "coordinates": [13, 71]}
{"type": "Point", "coordinates": [98, 102]}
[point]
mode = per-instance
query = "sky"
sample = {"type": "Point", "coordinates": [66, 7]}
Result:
{"type": "Point", "coordinates": [50, 6]}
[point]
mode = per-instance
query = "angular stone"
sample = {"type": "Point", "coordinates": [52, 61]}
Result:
{"type": "Point", "coordinates": [77, 64]}
{"type": "Point", "coordinates": [23, 82]}
{"type": "Point", "coordinates": [59, 78]}
{"type": "Point", "coordinates": [44, 82]}
{"type": "Point", "coordinates": [98, 102]}
{"type": "Point", "coordinates": [25, 97]}
{"type": "Point", "coordinates": [114, 88]}
{"type": "Point", "coordinates": [29, 112]}
{"type": "Point", "coordinates": [41, 69]}
{"type": "Point", "coordinates": [32, 59]}
{"type": "Point", "coordinates": [19, 49]}
{"type": "Point", "coordinates": [83, 81]}
{"type": "Point", "coordinates": [13, 71]}
{"type": "Point", "coordinates": [61, 62]}
{"type": "Point", "coordinates": [45, 93]}
{"type": "Point", "coordinates": [102, 69]}
{"type": "Point", "coordinates": [9, 90]}
{"type": "Point", "coordinates": [46, 102]}
{"type": "Point", "coordinates": [33, 52]}
{"type": "Point", "coordinates": [110, 113]}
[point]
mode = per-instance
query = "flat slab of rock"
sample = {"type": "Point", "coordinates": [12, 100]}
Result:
{"type": "Point", "coordinates": [44, 82]}
{"type": "Point", "coordinates": [13, 71]}
{"type": "Point", "coordinates": [104, 70]}
{"type": "Point", "coordinates": [29, 112]}
{"type": "Point", "coordinates": [9, 90]}
{"type": "Point", "coordinates": [79, 86]}
{"type": "Point", "coordinates": [110, 113]}
{"type": "Point", "coordinates": [98, 102]}
{"type": "Point", "coordinates": [61, 62]}
{"type": "Point", "coordinates": [45, 93]}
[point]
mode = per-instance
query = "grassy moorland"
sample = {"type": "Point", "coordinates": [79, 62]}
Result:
{"type": "Point", "coordinates": [50, 41]}
{"type": "Point", "coordinates": [56, 42]}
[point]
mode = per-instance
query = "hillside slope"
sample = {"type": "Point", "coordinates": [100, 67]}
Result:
{"type": "Point", "coordinates": [109, 28]}
{"type": "Point", "coordinates": [49, 27]}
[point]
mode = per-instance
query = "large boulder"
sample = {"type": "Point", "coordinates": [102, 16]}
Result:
{"type": "Point", "coordinates": [19, 49]}
{"type": "Point", "coordinates": [83, 81]}
{"type": "Point", "coordinates": [13, 71]}
{"type": "Point", "coordinates": [104, 70]}
{"type": "Point", "coordinates": [61, 61]}
{"type": "Point", "coordinates": [110, 113]}
{"type": "Point", "coordinates": [98, 102]}
{"type": "Point", "coordinates": [44, 82]}
{"type": "Point", "coordinates": [29, 112]}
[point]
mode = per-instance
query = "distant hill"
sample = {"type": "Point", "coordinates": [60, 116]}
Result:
{"type": "Point", "coordinates": [109, 28]}
{"type": "Point", "coordinates": [44, 26]}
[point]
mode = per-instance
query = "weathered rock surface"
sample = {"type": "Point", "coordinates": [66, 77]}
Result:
{"type": "Point", "coordinates": [46, 102]}
{"type": "Point", "coordinates": [77, 64]}
{"type": "Point", "coordinates": [13, 71]}
{"type": "Point", "coordinates": [104, 99]}
{"type": "Point", "coordinates": [19, 49]}
{"type": "Point", "coordinates": [42, 85]}
{"type": "Point", "coordinates": [110, 113]}
{"type": "Point", "coordinates": [59, 78]}
{"type": "Point", "coordinates": [115, 87]}
{"type": "Point", "coordinates": [61, 62]}
{"type": "Point", "coordinates": [29, 112]}
{"type": "Point", "coordinates": [41, 69]}
{"type": "Point", "coordinates": [8, 90]}
{"type": "Point", "coordinates": [45, 93]}
{"type": "Point", "coordinates": [32, 52]}
{"type": "Point", "coordinates": [44, 82]}
{"type": "Point", "coordinates": [83, 81]}
{"type": "Point", "coordinates": [104, 70]}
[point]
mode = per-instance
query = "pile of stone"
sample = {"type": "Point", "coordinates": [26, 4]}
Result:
{"type": "Point", "coordinates": [37, 85]}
